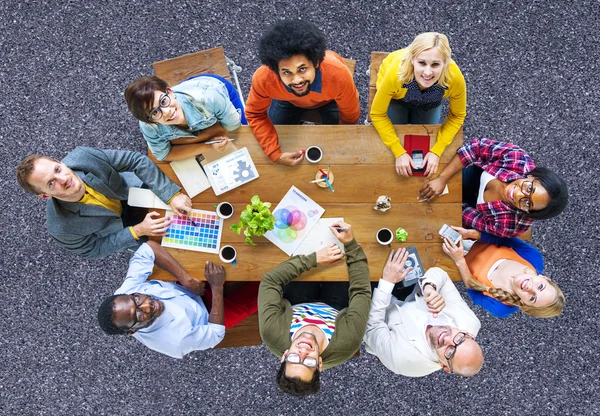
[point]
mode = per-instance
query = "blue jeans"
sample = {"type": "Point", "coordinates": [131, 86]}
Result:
{"type": "Point", "coordinates": [402, 115]}
{"type": "Point", "coordinates": [332, 293]}
{"type": "Point", "coordinates": [234, 97]}
{"type": "Point", "coordinates": [283, 112]}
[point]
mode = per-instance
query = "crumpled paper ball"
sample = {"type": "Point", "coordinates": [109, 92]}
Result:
{"type": "Point", "coordinates": [383, 203]}
{"type": "Point", "coordinates": [401, 235]}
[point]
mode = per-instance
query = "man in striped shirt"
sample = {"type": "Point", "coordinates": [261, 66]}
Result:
{"type": "Point", "coordinates": [313, 326]}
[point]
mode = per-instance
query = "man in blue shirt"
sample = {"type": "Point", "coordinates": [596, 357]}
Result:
{"type": "Point", "coordinates": [169, 318]}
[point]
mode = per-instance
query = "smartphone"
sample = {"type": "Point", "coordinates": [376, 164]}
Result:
{"type": "Point", "coordinates": [449, 233]}
{"type": "Point", "coordinates": [417, 157]}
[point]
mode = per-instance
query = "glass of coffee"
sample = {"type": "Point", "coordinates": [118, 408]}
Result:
{"type": "Point", "coordinates": [384, 237]}
{"type": "Point", "coordinates": [227, 254]}
{"type": "Point", "coordinates": [314, 154]}
{"type": "Point", "coordinates": [224, 210]}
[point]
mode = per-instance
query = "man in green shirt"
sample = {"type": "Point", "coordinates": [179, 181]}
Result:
{"type": "Point", "coordinates": [314, 325]}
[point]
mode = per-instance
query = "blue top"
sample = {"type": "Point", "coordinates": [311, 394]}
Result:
{"type": "Point", "coordinates": [527, 253]}
{"type": "Point", "coordinates": [204, 101]}
{"type": "Point", "coordinates": [183, 326]}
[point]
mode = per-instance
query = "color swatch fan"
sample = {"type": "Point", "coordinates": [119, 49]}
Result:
{"type": "Point", "coordinates": [205, 236]}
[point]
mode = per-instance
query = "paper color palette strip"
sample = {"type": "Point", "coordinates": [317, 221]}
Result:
{"type": "Point", "coordinates": [205, 237]}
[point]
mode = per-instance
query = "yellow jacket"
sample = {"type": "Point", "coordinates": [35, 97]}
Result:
{"type": "Point", "coordinates": [388, 88]}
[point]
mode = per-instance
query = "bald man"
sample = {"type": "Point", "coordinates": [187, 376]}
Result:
{"type": "Point", "coordinates": [433, 329]}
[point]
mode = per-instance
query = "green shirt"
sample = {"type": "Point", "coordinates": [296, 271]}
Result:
{"type": "Point", "coordinates": [275, 312]}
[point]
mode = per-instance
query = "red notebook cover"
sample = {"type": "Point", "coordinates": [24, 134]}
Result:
{"type": "Point", "coordinates": [416, 142]}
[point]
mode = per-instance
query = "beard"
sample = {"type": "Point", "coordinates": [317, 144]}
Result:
{"type": "Point", "coordinates": [301, 94]}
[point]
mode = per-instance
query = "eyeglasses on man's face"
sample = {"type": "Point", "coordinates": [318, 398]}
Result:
{"type": "Point", "coordinates": [164, 101]}
{"type": "Point", "coordinates": [451, 350]}
{"type": "Point", "coordinates": [139, 316]}
{"type": "Point", "coordinates": [309, 362]}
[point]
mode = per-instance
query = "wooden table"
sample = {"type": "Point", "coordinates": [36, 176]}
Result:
{"type": "Point", "coordinates": [364, 169]}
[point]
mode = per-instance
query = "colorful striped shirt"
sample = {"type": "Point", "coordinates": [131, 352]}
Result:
{"type": "Point", "coordinates": [507, 163]}
{"type": "Point", "coordinates": [318, 314]}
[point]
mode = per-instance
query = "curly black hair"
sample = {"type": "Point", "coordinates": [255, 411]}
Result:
{"type": "Point", "coordinates": [295, 386]}
{"type": "Point", "coordinates": [105, 317]}
{"type": "Point", "coordinates": [288, 38]}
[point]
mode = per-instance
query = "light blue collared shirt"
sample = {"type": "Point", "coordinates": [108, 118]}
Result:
{"type": "Point", "coordinates": [204, 101]}
{"type": "Point", "coordinates": [183, 326]}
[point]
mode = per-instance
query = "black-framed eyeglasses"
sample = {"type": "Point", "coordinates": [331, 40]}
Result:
{"type": "Point", "coordinates": [295, 359]}
{"type": "Point", "coordinates": [164, 101]}
{"type": "Point", "coordinates": [138, 316]}
{"type": "Point", "coordinates": [451, 350]}
{"type": "Point", "coordinates": [527, 188]}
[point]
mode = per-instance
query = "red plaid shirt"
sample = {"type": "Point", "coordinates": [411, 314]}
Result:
{"type": "Point", "coordinates": [506, 162]}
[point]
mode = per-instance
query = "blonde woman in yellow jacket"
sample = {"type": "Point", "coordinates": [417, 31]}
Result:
{"type": "Point", "coordinates": [411, 84]}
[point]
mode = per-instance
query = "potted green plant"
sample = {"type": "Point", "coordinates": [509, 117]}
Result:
{"type": "Point", "coordinates": [257, 218]}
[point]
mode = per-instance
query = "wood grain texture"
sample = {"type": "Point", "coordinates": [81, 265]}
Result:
{"type": "Point", "coordinates": [342, 145]}
{"type": "Point", "coordinates": [364, 170]}
{"type": "Point", "coordinates": [376, 59]}
{"type": "Point", "coordinates": [175, 70]}
{"type": "Point", "coordinates": [244, 334]}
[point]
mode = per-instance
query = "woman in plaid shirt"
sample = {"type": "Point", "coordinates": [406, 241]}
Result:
{"type": "Point", "coordinates": [503, 190]}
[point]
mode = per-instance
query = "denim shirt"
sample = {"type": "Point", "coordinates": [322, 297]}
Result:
{"type": "Point", "coordinates": [204, 101]}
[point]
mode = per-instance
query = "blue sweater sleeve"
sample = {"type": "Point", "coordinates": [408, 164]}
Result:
{"type": "Point", "coordinates": [493, 306]}
{"type": "Point", "coordinates": [526, 251]}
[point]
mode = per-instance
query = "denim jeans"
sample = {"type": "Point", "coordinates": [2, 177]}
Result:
{"type": "Point", "coordinates": [332, 293]}
{"type": "Point", "coordinates": [283, 112]}
{"type": "Point", "coordinates": [399, 114]}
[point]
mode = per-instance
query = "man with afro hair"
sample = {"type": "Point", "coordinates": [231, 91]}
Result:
{"type": "Point", "coordinates": [297, 74]}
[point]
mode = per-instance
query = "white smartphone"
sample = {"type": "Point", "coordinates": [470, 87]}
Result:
{"type": "Point", "coordinates": [449, 233]}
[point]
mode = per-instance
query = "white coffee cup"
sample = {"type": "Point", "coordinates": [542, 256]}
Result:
{"type": "Point", "coordinates": [382, 239]}
{"type": "Point", "coordinates": [313, 149]}
{"type": "Point", "coordinates": [228, 254]}
{"type": "Point", "coordinates": [227, 208]}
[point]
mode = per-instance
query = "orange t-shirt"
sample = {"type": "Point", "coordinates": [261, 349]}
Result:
{"type": "Point", "coordinates": [482, 257]}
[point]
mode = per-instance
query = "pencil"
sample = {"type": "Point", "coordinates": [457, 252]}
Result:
{"type": "Point", "coordinates": [217, 141]}
{"type": "Point", "coordinates": [323, 173]}
{"type": "Point", "coordinates": [329, 184]}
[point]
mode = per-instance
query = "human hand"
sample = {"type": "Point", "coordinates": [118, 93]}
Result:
{"type": "Point", "coordinates": [329, 255]}
{"type": "Point", "coordinates": [152, 226]}
{"type": "Point", "coordinates": [467, 233]}
{"type": "Point", "coordinates": [432, 189]}
{"type": "Point", "coordinates": [181, 204]}
{"type": "Point", "coordinates": [431, 162]}
{"type": "Point", "coordinates": [395, 270]}
{"type": "Point", "coordinates": [338, 229]}
{"type": "Point", "coordinates": [291, 158]}
{"type": "Point", "coordinates": [435, 302]}
{"type": "Point", "coordinates": [215, 275]}
{"type": "Point", "coordinates": [454, 251]}
{"type": "Point", "coordinates": [197, 287]}
{"type": "Point", "coordinates": [404, 165]}
{"type": "Point", "coordinates": [220, 147]}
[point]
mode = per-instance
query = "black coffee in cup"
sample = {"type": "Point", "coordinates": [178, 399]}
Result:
{"type": "Point", "coordinates": [384, 235]}
{"type": "Point", "coordinates": [228, 253]}
{"type": "Point", "coordinates": [226, 209]}
{"type": "Point", "coordinates": [314, 153]}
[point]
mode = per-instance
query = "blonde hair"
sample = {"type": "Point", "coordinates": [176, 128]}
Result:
{"type": "Point", "coordinates": [421, 43]}
{"type": "Point", "coordinates": [548, 311]}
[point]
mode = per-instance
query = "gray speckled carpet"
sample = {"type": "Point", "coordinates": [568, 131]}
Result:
{"type": "Point", "coordinates": [531, 69]}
